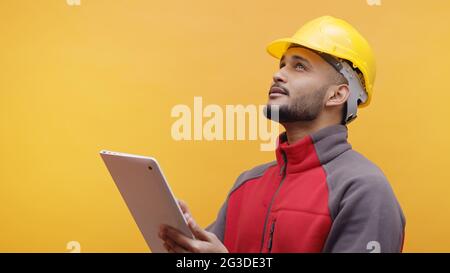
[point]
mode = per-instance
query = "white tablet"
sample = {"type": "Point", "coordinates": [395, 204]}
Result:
{"type": "Point", "coordinates": [147, 195]}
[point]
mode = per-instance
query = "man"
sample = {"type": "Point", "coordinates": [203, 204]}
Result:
{"type": "Point", "coordinates": [319, 195]}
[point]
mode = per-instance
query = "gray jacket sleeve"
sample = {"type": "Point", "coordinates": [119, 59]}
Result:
{"type": "Point", "coordinates": [366, 217]}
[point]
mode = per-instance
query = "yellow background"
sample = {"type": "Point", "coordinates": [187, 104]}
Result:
{"type": "Point", "coordinates": [106, 74]}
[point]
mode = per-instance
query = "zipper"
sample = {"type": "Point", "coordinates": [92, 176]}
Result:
{"type": "Point", "coordinates": [283, 174]}
{"type": "Point", "coordinates": [272, 229]}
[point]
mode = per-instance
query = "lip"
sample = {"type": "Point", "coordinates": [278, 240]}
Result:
{"type": "Point", "coordinates": [277, 91]}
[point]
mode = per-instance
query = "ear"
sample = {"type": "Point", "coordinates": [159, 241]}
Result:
{"type": "Point", "coordinates": [338, 95]}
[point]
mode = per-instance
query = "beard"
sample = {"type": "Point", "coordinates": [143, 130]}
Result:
{"type": "Point", "coordinates": [305, 107]}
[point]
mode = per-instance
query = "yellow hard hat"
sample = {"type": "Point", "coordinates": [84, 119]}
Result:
{"type": "Point", "coordinates": [335, 37]}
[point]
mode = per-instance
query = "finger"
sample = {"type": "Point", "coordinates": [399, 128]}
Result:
{"type": "Point", "coordinates": [161, 233]}
{"type": "Point", "coordinates": [175, 247]}
{"type": "Point", "coordinates": [186, 216]}
{"type": "Point", "coordinates": [167, 247]}
{"type": "Point", "coordinates": [198, 232]}
{"type": "Point", "coordinates": [184, 207]}
{"type": "Point", "coordinates": [170, 250]}
{"type": "Point", "coordinates": [180, 239]}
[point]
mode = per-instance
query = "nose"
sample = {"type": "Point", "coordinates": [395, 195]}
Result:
{"type": "Point", "coordinates": [278, 77]}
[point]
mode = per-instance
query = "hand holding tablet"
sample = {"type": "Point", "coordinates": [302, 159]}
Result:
{"type": "Point", "coordinates": [165, 223]}
{"type": "Point", "coordinates": [148, 196]}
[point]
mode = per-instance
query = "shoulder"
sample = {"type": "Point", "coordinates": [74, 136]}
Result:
{"type": "Point", "coordinates": [355, 180]}
{"type": "Point", "coordinates": [353, 169]}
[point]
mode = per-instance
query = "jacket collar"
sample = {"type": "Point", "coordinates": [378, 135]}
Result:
{"type": "Point", "coordinates": [312, 150]}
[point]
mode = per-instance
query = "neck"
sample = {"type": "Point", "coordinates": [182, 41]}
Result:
{"type": "Point", "coordinates": [299, 129]}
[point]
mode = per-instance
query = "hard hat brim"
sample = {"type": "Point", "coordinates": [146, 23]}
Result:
{"type": "Point", "coordinates": [278, 47]}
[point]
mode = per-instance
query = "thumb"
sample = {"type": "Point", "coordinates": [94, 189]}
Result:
{"type": "Point", "coordinates": [198, 232]}
{"type": "Point", "coordinates": [184, 207]}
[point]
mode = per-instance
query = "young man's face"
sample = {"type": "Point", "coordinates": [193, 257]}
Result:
{"type": "Point", "coordinates": [300, 86]}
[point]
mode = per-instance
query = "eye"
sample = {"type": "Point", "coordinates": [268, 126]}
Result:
{"type": "Point", "coordinates": [281, 65]}
{"type": "Point", "coordinates": [300, 66]}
